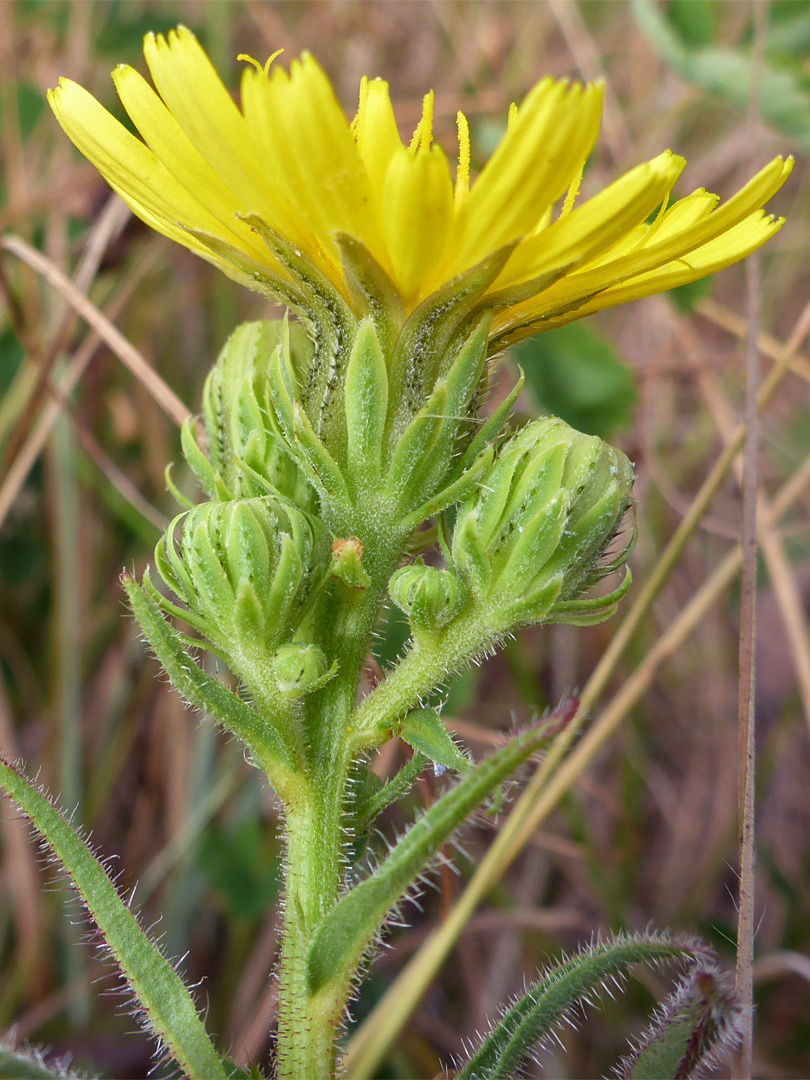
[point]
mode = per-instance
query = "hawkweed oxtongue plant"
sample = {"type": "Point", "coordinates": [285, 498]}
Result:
{"type": "Point", "coordinates": [335, 445]}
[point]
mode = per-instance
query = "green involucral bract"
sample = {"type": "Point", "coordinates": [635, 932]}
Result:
{"type": "Point", "coordinates": [535, 534]}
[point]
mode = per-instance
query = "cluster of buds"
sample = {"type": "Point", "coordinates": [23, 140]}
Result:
{"type": "Point", "coordinates": [533, 538]}
{"type": "Point", "coordinates": [248, 572]}
{"type": "Point", "coordinates": [536, 534]}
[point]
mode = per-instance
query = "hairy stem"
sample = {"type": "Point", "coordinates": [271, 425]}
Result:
{"type": "Point", "coordinates": [315, 825]}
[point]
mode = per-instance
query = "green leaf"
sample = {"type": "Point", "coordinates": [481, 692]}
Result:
{"type": "Point", "coordinates": [699, 1019]}
{"type": "Point", "coordinates": [206, 693]}
{"type": "Point", "coordinates": [783, 97]}
{"type": "Point", "coordinates": [170, 1012]}
{"type": "Point", "coordinates": [575, 374]}
{"type": "Point", "coordinates": [685, 297]}
{"type": "Point", "coordinates": [347, 931]}
{"type": "Point", "coordinates": [373, 798]}
{"type": "Point", "coordinates": [694, 20]}
{"type": "Point", "coordinates": [29, 1064]}
{"type": "Point", "coordinates": [573, 981]}
{"type": "Point", "coordinates": [424, 730]}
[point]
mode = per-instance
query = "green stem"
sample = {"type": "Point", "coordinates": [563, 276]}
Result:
{"type": "Point", "coordinates": [429, 662]}
{"type": "Point", "coordinates": [315, 823]}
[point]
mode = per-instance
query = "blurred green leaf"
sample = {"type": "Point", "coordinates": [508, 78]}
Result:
{"type": "Point", "coordinates": [242, 867]}
{"type": "Point", "coordinates": [783, 94]}
{"type": "Point", "coordinates": [695, 20]}
{"type": "Point", "coordinates": [686, 296]}
{"type": "Point", "coordinates": [126, 24]}
{"type": "Point", "coordinates": [788, 29]}
{"type": "Point", "coordinates": [11, 357]}
{"type": "Point", "coordinates": [575, 374]}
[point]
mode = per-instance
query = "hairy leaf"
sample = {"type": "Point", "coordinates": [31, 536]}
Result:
{"type": "Point", "coordinates": [699, 1019]}
{"type": "Point", "coordinates": [350, 927]}
{"type": "Point", "coordinates": [29, 1064]}
{"type": "Point", "coordinates": [169, 1010]}
{"type": "Point", "coordinates": [567, 984]}
{"type": "Point", "coordinates": [424, 731]}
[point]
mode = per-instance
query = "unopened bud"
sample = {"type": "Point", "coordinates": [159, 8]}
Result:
{"type": "Point", "coordinates": [299, 669]}
{"type": "Point", "coordinates": [534, 536]}
{"type": "Point", "coordinates": [428, 596]}
{"type": "Point", "coordinates": [244, 568]}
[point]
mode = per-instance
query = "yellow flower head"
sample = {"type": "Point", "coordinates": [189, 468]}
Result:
{"type": "Point", "coordinates": [285, 193]}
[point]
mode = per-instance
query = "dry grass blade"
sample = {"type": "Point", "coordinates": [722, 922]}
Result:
{"type": "Point", "coordinates": [112, 337]}
{"type": "Point", "coordinates": [786, 588]}
{"type": "Point", "coordinates": [109, 225]}
{"type": "Point", "coordinates": [60, 392]}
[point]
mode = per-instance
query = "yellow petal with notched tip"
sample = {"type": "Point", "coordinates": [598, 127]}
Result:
{"type": "Point", "coordinates": [570, 301]}
{"type": "Point", "coordinates": [131, 167]}
{"type": "Point", "coordinates": [532, 167]}
{"type": "Point", "coordinates": [596, 224]}
{"type": "Point", "coordinates": [418, 200]}
{"type": "Point", "coordinates": [375, 129]}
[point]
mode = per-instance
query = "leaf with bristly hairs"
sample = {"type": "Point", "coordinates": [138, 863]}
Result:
{"type": "Point", "coordinates": [169, 1012]}
{"type": "Point", "coordinates": [697, 1024]}
{"type": "Point", "coordinates": [29, 1064]}
{"type": "Point", "coordinates": [571, 982]}
{"type": "Point", "coordinates": [349, 928]}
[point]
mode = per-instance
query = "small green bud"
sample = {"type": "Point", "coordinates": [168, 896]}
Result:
{"type": "Point", "coordinates": [428, 596]}
{"type": "Point", "coordinates": [246, 568]}
{"type": "Point", "coordinates": [300, 669]}
{"type": "Point", "coordinates": [347, 564]}
{"type": "Point", "coordinates": [533, 538]}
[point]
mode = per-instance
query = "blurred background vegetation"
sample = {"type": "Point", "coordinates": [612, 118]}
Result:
{"type": "Point", "coordinates": [648, 835]}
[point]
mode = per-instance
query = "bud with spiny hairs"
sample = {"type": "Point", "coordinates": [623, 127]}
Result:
{"type": "Point", "coordinates": [428, 596]}
{"type": "Point", "coordinates": [248, 570]}
{"type": "Point", "coordinates": [245, 456]}
{"type": "Point", "coordinates": [537, 533]}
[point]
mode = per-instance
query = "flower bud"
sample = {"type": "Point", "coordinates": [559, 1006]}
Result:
{"type": "Point", "coordinates": [245, 455]}
{"type": "Point", "coordinates": [347, 564]}
{"type": "Point", "coordinates": [428, 596]}
{"type": "Point", "coordinates": [300, 669]}
{"type": "Point", "coordinates": [534, 536]}
{"type": "Point", "coordinates": [245, 569]}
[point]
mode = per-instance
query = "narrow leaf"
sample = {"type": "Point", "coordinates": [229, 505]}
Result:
{"type": "Point", "coordinates": [204, 692]}
{"type": "Point", "coordinates": [699, 1019]}
{"type": "Point", "coordinates": [29, 1064]}
{"type": "Point", "coordinates": [350, 927]}
{"type": "Point", "coordinates": [170, 1012]}
{"type": "Point", "coordinates": [370, 805]}
{"type": "Point", "coordinates": [424, 730]}
{"type": "Point", "coordinates": [555, 994]}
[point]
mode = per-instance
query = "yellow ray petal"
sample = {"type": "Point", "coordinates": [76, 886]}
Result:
{"type": "Point", "coordinates": [132, 169]}
{"type": "Point", "coordinates": [319, 137]}
{"type": "Point", "coordinates": [418, 211]}
{"type": "Point", "coordinates": [595, 225]}
{"type": "Point", "coordinates": [171, 146]}
{"type": "Point", "coordinates": [559, 306]}
{"type": "Point", "coordinates": [683, 230]}
{"type": "Point", "coordinates": [195, 95]}
{"type": "Point", "coordinates": [534, 164]}
{"type": "Point", "coordinates": [376, 134]}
